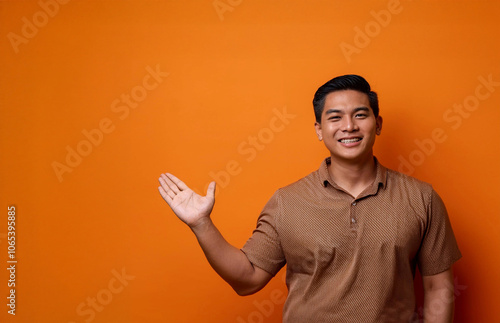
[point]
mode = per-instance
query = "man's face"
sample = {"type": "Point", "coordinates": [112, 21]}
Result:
{"type": "Point", "coordinates": [348, 126]}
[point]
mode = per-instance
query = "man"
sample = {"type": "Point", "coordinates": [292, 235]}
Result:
{"type": "Point", "coordinates": [351, 233]}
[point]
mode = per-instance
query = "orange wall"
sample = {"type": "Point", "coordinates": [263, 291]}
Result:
{"type": "Point", "coordinates": [202, 78]}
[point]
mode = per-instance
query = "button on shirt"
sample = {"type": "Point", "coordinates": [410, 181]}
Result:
{"type": "Point", "coordinates": [352, 259]}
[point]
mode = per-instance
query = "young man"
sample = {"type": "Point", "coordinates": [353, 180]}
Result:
{"type": "Point", "coordinates": [351, 233]}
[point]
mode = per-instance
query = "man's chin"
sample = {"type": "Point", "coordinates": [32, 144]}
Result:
{"type": "Point", "coordinates": [352, 158]}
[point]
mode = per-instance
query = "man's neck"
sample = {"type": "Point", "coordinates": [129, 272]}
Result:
{"type": "Point", "coordinates": [353, 177]}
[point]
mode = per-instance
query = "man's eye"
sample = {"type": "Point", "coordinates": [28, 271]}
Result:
{"type": "Point", "coordinates": [334, 118]}
{"type": "Point", "coordinates": [361, 115]}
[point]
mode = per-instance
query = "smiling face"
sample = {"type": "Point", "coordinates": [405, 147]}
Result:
{"type": "Point", "coordinates": [348, 126]}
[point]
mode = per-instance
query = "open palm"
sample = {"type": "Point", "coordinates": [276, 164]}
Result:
{"type": "Point", "coordinates": [186, 204]}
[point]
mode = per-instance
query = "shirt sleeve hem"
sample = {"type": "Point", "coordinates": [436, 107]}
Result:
{"type": "Point", "coordinates": [438, 270]}
{"type": "Point", "coordinates": [256, 261]}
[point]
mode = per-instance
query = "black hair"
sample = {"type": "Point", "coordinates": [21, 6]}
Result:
{"type": "Point", "coordinates": [344, 82]}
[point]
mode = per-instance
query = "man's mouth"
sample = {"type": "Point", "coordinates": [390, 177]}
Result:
{"type": "Point", "coordinates": [350, 140]}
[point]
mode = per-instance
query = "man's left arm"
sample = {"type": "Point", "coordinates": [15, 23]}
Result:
{"type": "Point", "coordinates": [439, 297]}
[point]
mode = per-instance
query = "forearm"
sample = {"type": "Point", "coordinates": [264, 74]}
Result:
{"type": "Point", "coordinates": [439, 298]}
{"type": "Point", "coordinates": [438, 306]}
{"type": "Point", "coordinates": [228, 261]}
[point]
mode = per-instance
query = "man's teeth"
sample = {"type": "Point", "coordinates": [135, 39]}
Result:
{"type": "Point", "coordinates": [348, 141]}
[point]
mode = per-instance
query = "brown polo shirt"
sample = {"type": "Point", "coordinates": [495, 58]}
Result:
{"type": "Point", "coordinates": [352, 259]}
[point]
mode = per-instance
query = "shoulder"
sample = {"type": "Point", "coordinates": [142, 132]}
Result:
{"type": "Point", "coordinates": [309, 180]}
{"type": "Point", "coordinates": [307, 187]}
{"type": "Point", "coordinates": [408, 185]}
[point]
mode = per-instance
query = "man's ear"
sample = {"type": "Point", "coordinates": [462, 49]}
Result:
{"type": "Point", "coordinates": [378, 128]}
{"type": "Point", "coordinates": [319, 132]}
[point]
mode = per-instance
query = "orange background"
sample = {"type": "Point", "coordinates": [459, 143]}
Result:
{"type": "Point", "coordinates": [228, 71]}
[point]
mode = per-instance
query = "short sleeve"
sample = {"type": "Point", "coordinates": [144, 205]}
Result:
{"type": "Point", "coordinates": [263, 248]}
{"type": "Point", "coordinates": [439, 249]}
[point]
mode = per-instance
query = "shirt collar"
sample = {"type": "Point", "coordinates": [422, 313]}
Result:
{"type": "Point", "coordinates": [380, 178]}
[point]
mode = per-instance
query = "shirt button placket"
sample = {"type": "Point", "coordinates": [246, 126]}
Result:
{"type": "Point", "coordinates": [354, 221]}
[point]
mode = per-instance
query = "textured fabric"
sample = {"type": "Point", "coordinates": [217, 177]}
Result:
{"type": "Point", "coordinates": [352, 259]}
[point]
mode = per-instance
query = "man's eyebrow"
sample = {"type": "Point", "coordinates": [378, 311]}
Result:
{"type": "Point", "coordinates": [340, 111]}
{"type": "Point", "coordinates": [362, 109]}
{"type": "Point", "coordinates": [332, 111]}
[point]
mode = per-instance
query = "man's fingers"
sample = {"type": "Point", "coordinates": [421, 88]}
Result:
{"type": "Point", "coordinates": [165, 196]}
{"type": "Point", "coordinates": [164, 183]}
{"type": "Point", "coordinates": [170, 185]}
{"type": "Point", "coordinates": [180, 184]}
{"type": "Point", "coordinates": [167, 188]}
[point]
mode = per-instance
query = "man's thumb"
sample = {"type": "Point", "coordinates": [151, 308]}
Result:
{"type": "Point", "coordinates": [211, 190]}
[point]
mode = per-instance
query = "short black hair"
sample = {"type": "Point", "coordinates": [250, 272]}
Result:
{"type": "Point", "coordinates": [344, 82]}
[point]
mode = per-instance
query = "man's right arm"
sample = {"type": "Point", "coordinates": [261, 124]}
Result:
{"type": "Point", "coordinates": [228, 261]}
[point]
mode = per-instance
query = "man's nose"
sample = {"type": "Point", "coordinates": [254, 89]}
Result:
{"type": "Point", "coordinates": [349, 125]}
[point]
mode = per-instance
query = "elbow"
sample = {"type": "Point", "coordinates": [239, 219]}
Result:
{"type": "Point", "coordinates": [246, 290]}
{"type": "Point", "coordinates": [250, 281]}
{"type": "Point", "coordinates": [242, 292]}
